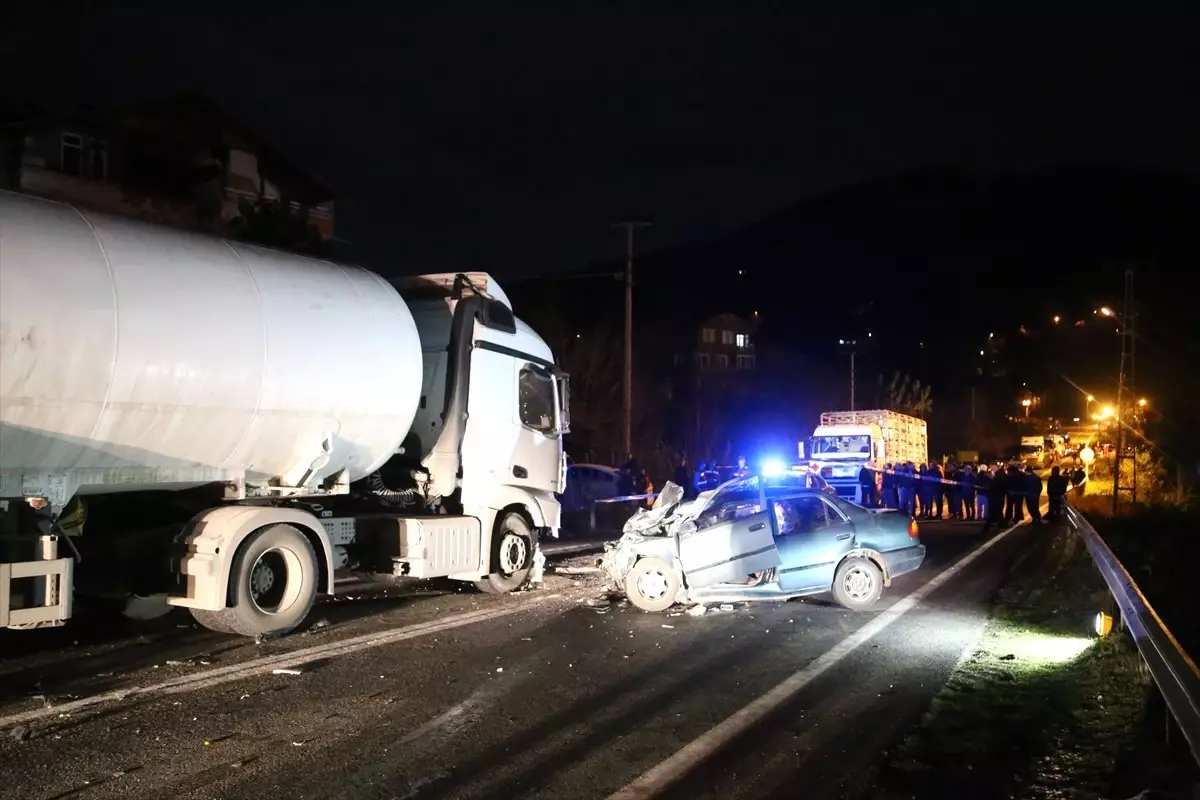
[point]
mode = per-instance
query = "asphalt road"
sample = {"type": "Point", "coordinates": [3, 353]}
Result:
{"type": "Point", "coordinates": [553, 693]}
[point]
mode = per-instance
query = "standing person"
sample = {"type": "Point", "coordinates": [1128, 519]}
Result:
{"type": "Point", "coordinates": [889, 487]}
{"type": "Point", "coordinates": [866, 485]}
{"type": "Point", "coordinates": [906, 484]}
{"type": "Point", "coordinates": [1033, 494]}
{"type": "Point", "coordinates": [1014, 499]}
{"type": "Point", "coordinates": [1056, 490]}
{"type": "Point", "coordinates": [923, 491]}
{"type": "Point", "coordinates": [996, 499]}
{"type": "Point", "coordinates": [983, 486]}
{"type": "Point", "coordinates": [954, 491]}
{"type": "Point", "coordinates": [683, 477]}
{"type": "Point", "coordinates": [939, 489]}
{"type": "Point", "coordinates": [967, 482]}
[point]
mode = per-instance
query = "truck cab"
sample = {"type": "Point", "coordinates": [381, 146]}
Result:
{"type": "Point", "coordinates": [842, 451]}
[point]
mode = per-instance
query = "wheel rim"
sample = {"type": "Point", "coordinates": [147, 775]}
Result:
{"type": "Point", "coordinates": [274, 582]}
{"type": "Point", "coordinates": [514, 552]}
{"type": "Point", "coordinates": [858, 583]}
{"type": "Point", "coordinates": [652, 584]}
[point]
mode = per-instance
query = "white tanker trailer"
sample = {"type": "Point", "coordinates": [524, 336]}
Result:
{"type": "Point", "coordinates": [225, 426]}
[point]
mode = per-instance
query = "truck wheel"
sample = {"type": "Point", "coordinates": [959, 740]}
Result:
{"type": "Point", "coordinates": [273, 584]}
{"type": "Point", "coordinates": [858, 584]}
{"type": "Point", "coordinates": [512, 556]}
{"type": "Point", "coordinates": [652, 585]}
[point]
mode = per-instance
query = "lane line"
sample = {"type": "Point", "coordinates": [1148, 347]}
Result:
{"type": "Point", "coordinates": [670, 771]}
{"type": "Point", "coordinates": [295, 658]}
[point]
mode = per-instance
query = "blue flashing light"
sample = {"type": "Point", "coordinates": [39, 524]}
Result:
{"type": "Point", "coordinates": [773, 468]}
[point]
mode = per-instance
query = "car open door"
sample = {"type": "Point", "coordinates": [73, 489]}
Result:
{"type": "Point", "coordinates": [728, 552]}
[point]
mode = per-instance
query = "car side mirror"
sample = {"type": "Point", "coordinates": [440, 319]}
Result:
{"type": "Point", "coordinates": [687, 527]}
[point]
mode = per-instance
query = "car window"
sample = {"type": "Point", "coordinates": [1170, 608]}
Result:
{"type": "Point", "coordinates": [727, 511]}
{"type": "Point", "coordinates": [798, 515]}
{"type": "Point", "coordinates": [848, 509]}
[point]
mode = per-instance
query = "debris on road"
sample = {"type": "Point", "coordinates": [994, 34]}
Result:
{"type": "Point", "coordinates": [286, 672]}
{"type": "Point", "coordinates": [577, 570]}
{"type": "Point", "coordinates": [697, 610]}
{"type": "Point", "coordinates": [665, 625]}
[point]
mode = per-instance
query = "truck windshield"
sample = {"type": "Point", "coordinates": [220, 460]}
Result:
{"type": "Point", "coordinates": [842, 445]}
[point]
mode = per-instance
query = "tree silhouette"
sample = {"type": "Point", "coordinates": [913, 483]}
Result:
{"type": "Point", "coordinates": [908, 396]}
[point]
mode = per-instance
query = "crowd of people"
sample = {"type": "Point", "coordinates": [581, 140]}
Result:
{"type": "Point", "coordinates": [966, 492]}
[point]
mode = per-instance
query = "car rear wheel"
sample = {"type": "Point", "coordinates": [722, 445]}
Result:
{"type": "Point", "coordinates": [652, 585]}
{"type": "Point", "coordinates": [858, 584]}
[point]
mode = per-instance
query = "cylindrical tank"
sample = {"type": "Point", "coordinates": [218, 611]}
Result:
{"type": "Point", "coordinates": [134, 356]}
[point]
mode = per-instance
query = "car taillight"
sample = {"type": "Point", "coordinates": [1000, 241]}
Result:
{"type": "Point", "coordinates": [913, 530]}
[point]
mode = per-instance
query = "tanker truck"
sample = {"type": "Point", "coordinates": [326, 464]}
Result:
{"type": "Point", "coordinates": [229, 429]}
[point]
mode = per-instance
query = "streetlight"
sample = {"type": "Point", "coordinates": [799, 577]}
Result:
{"type": "Point", "coordinates": [1142, 403]}
{"type": "Point", "coordinates": [1027, 403]}
{"type": "Point", "coordinates": [1105, 311]}
{"type": "Point", "coordinates": [1057, 319]}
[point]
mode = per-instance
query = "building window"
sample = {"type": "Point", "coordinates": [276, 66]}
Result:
{"type": "Point", "coordinates": [745, 362]}
{"type": "Point", "coordinates": [722, 361]}
{"type": "Point", "coordinates": [726, 337]}
{"type": "Point", "coordinates": [535, 399]}
{"type": "Point", "coordinates": [702, 360]}
{"type": "Point", "coordinates": [708, 335]}
{"type": "Point", "coordinates": [71, 157]}
{"type": "Point", "coordinates": [743, 340]}
{"type": "Point", "coordinates": [98, 159]}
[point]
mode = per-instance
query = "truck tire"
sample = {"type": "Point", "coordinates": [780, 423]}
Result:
{"type": "Point", "coordinates": [858, 584]}
{"type": "Point", "coordinates": [272, 585]}
{"type": "Point", "coordinates": [513, 547]}
{"type": "Point", "coordinates": [652, 585]}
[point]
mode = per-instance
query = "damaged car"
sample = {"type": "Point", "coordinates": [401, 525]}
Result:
{"type": "Point", "coordinates": [755, 540]}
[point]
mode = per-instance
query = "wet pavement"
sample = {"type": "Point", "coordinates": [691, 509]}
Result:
{"type": "Point", "coordinates": [430, 692]}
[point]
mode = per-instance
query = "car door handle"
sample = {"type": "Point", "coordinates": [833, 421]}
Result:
{"type": "Point", "coordinates": [842, 536]}
{"type": "Point", "coordinates": [758, 526]}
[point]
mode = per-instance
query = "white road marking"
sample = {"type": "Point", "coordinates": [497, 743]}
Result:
{"type": "Point", "coordinates": [660, 777]}
{"type": "Point", "coordinates": [268, 664]}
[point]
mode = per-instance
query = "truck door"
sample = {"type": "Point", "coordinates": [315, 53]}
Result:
{"type": "Point", "coordinates": [813, 537]}
{"type": "Point", "coordinates": [728, 552]}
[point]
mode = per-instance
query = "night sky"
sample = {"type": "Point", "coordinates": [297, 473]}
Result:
{"type": "Point", "coordinates": [509, 140]}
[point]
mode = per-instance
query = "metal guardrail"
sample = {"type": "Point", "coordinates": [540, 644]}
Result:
{"type": "Point", "coordinates": [1174, 672]}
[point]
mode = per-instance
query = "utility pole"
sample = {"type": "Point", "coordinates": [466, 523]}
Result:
{"type": "Point", "coordinates": [850, 346]}
{"type": "Point", "coordinates": [627, 381]}
{"type": "Point", "coordinates": [1126, 320]}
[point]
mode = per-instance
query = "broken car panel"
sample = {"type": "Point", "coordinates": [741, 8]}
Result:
{"type": "Point", "coordinates": [744, 541]}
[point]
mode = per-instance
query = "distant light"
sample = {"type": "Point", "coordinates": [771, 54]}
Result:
{"type": "Point", "coordinates": [741, 272]}
{"type": "Point", "coordinates": [1091, 399]}
{"type": "Point", "coordinates": [773, 468]}
{"type": "Point", "coordinates": [1107, 312]}
{"type": "Point", "coordinates": [579, 336]}
{"type": "Point", "coordinates": [1142, 402]}
{"type": "Point", "coordinates": [868, 334]}
{"type": "Point", "coordinates": [1077, 419]}
{"type": "Point", "coordinates": [991, 335]}
{"type": "Point", "coordinates": [980, 352]}
{"type": "Point", "coordinates": [1107, 412]}
{"type": "Point", "coordinates": [841, 341]}
{"type": "Point", "coordinates": [1057, 319]}
{"type": "Point", "coordinates": [1027, 403]}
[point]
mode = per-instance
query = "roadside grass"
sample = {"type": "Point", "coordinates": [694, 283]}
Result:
{"type": "Point", "coordinates": [1039, 708]}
